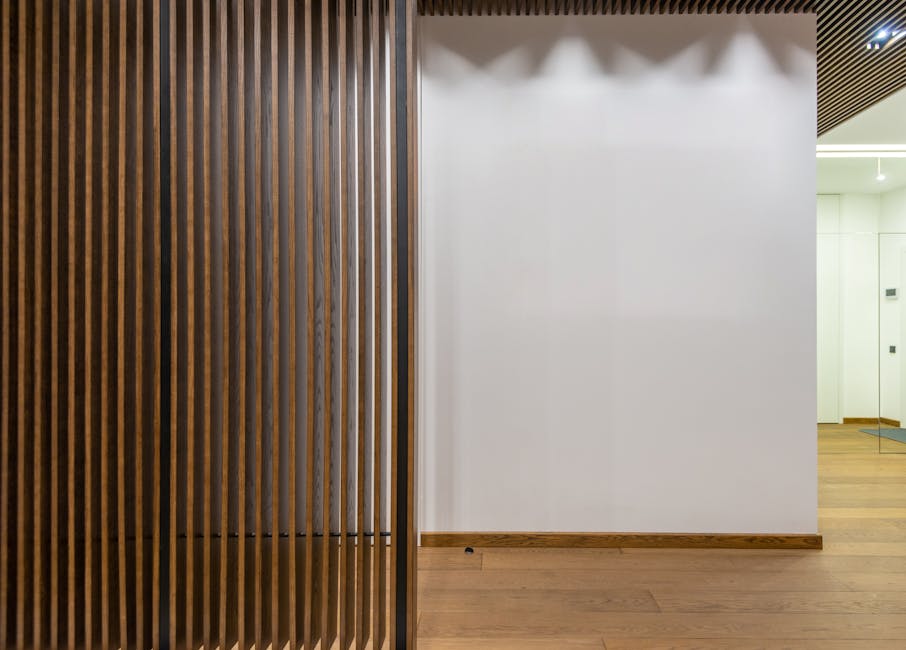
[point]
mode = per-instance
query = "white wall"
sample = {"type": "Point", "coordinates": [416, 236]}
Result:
{"type": "Point", "coordinates": [830, 378]}
{"type": "Point", "coordinates": [893, 211]}
{"type": "Point", "coordinates": [859, 297]}
{"type": "Point", "coordinates": [618, 274]}
{"type": "Point", "coordinates": [892, 274]}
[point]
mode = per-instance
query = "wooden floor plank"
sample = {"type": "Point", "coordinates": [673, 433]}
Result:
{"type": "Point", "coordinates": [744, 644]}
{"type": "Point", "coordinates": [520, 643]}
{"type": "Point", "coordinates": [553, 624]}
{"type": "Point", "coordinates": [793, 602]}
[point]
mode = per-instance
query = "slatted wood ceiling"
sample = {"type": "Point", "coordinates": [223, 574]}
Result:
{"type": "Point", "coordinates": [850, 78]}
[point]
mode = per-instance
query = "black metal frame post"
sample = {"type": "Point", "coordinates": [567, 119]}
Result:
{"type": "Point", "coordinates": [401, 541]}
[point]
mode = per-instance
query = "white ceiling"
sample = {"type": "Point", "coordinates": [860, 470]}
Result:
{"type": "Point", "coordinates": [883, 123]}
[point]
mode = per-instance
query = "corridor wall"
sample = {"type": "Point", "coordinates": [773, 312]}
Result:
{"type": "Point", "coordinates": [618, 274]}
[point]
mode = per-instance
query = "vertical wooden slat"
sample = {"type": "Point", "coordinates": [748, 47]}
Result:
{"type": "Point", "coordinates": [21, 328]}
{"type": "Point", "coordinates": [276, 434]}
{"type": "Point", "coordinates": [88, 427]}
{"type": "Point", "coordinates": [345, 542]}
{"type": "Point", "coordinates": [54, 622]}
{"type": "Point", "coordinates": [225, 478]}
{"type": "Point", "coordinates": [121, 334]}
{"type": "Point", "coordinates": [140, 377]}
{"type": "Point", "coordinates": [6, 352]}
{"type": "Point", "coordinates": [259, 326]}
{"type": "Point", "coordinates": [378, 41]}
{"type": "Point", "coordinates": [105, 326]}
{"type": "Point", "coordinates": [190, 323]}
{"type": "Point", "coordinates": [362, 599]}
{"type": "Point", "coordinates": [310, 613]}
{"type": "Point", "coordinates": [207, 270]}
{"type": "Point", "coordinates": [157, 330]}
{"type": "Point", "coordinates": [174, 320]}
{"type": "Point", "coordinates": [38, 330]}
{"type": "Point", "coordinates": [394, 324]}
{"type": "Point", "coordinates": [242, 242]}
{"type": "Point", "coordinates": [71, 339]}
{"type": "Point", "coordinates": [291, 290]}
{"type": "Point", "coordinates": [326, 606]}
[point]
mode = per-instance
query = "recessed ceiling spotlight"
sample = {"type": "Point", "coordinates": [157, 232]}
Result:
{"type": "Point", "coordinates": [880, 177]}
{"type": "Point", "coordinates": [884, 38]}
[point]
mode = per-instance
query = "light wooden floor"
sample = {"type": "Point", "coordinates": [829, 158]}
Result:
{"type": "Point", "coordinates": [852, 595]}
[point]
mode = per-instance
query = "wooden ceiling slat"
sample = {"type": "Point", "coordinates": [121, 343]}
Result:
{"type": "Point", "coordinates": [850, 77]}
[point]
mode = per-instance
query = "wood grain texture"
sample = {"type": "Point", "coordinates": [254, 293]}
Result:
{"type": "Point", "coordinates": [207, 290]}
{"type": "Point", "coordinates": [292, 458]}
{"type": "Point", "coordinates": [174, 322]}
{"type": "Point", "coordinates": [139, 420]}
{"type": "Point", "coordinates": [850, 595]}
{"type": "Point", "coordinates": [347, 574]}
{"type": "Point", "coordinates": [393, 290]}
{"type": "Point", "coordinates": [242, 244]}
{"type": "Point", "coordinates": [190, 320]}
{"type": "Point", "coordinates": [121, 132]}
{"type": "Point", "coordinates": [38, 342]}
{"type": "Point", "coordinates": [310, 614]}
{"type": "Point", "coordinates": [295, 544]}
{"type": "Point", "coordinates": [379, 442]}
{"type": "Point", "coordinates": [277, 236]}
{"type": "Point", "coordinates": [68, 270]}
{"type": "Point", "coordinates": [363, 554]}
{"type": "Point", "coordinates": [157, 508]}
{"type": "Point", "coordinates": [226, 323]}
{"type": "Point", "coordinates": [88, 247]}
{"type": "Point", "coordinates": [258, 613]}
{"type": "Point", "coordinates": [327, 622]}
{"type": "Point", "coordinates": [5, 338]}
{"type": "Point", "coordinates": [105, 277]}
{"type": "Point", "coordinates": [53, 637]}
{"type": "Point", "coordinates": [618, 540]}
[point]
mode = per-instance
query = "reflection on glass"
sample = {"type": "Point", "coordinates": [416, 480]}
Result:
{"type": "Point", "coordinates": [891, 430]}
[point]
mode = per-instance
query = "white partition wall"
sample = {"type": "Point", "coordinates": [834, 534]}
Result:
{"type": "Point", "coordinates": [618, 274]}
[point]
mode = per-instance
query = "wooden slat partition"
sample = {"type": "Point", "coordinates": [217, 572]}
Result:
{"type": "Point", "coordinates": [202, 439]}
{"type": "Point", "coordinates": [281, 366]}
{"type": "Point", "coordinates": [80, 325]}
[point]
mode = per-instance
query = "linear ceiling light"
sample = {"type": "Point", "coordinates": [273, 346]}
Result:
{"type": "Point", "coordinates": [860, 151]}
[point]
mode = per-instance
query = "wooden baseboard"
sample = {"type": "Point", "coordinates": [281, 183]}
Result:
{"type": "Point", "coordinates": [872, 421]}
{"type": "Point", "coordinates": [626, 540]}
